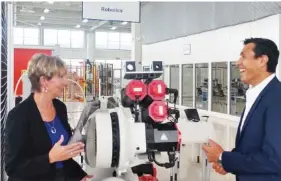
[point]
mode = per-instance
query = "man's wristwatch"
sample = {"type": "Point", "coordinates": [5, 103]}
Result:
{"type": "Point", "coordinates": [220, 160]}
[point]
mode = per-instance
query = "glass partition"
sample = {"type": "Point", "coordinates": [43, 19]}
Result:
{"type": "Point", "coordinates": [219, 87]}
{"type": "Point", "coordinates": [187, 85]}
{"type": "Point", "coordinates": [237, 91]}
{"type": "Point", "coordinates": [201, 86]}
{"type": "Point", "coordinates": [174, 79]}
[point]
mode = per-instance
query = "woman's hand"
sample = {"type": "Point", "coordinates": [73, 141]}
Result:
{"type": "Point", "coordinates": [61, 153]}
{"type": "Point", "coordinates": [85, 178]}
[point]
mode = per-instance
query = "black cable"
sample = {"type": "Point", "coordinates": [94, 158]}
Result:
{"type": "Point", "coordinates": [170, 164]}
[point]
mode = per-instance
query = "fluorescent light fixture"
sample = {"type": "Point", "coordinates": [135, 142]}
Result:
{"type": "Point", "coordinates": [124, 23]}
{"type": "Point", "coordinates": [85, 21]}
{"type": "Point", "coordinates": [39, 24]}
{"type": "Point", "coordinates": [51, 2]}
{"type": "Point", "coordinates": [46, 10]}
{"type": "Point", "coordinates": [42, 17]}
{"type": "Point", "coordinates": [113, 27]}
{"type": "Point", "coordinates": [77, 26]}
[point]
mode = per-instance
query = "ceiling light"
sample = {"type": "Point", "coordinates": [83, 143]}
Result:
{"type": "Point", "coordinates": [25, 10]}
{"type": "Point", "coordinates": [85, 21]}
{"type": "Point", "coordinates": [46, 10]}
{"type": "Point", "coordinates": [113, 28]}
{"type": "Point", "coordinates": [124, 23]}
{"type": "Point", "coordinates": [42, 18]}
{"type": "Point", "coordinates": [39, 24]}
{"type": "Point", "coordinates": [51, 2]}
{"type": "Point", "coordinates": [77, 26]}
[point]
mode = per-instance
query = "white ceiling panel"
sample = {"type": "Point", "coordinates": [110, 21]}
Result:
{"type": "Point", "coordinates": [60, 15]}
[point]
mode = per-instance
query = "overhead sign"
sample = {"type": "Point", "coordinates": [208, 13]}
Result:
{"type": "Point", "coordinates": [112, 11]}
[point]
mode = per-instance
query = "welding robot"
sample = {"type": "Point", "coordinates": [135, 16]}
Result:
{"type": "Point", "coordinates": [130, 132]}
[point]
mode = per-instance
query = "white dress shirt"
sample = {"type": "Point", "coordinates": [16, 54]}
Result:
{"type": "Point", "coordinates": [252, 94]}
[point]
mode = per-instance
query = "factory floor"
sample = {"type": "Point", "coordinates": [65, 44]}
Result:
{"type": "Point", "coordinates": [190, 170]}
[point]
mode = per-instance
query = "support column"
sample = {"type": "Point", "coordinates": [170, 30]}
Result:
{"type": "Point", "coordinates": [91, 46]}
{"type": "Point", "coordinates": [136, 52]}
{"type": "Point", "coordinates": [10, 63]}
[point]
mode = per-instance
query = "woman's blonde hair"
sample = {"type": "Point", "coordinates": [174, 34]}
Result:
{"type": "Point", "coordinates": [43, 65]}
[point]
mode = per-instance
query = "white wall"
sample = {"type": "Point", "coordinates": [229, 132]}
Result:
{"type": "Point", "coordinates": [214, 46]}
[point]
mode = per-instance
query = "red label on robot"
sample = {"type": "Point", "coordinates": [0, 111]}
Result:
{"type": "Point", "coordinates": [157, 90]}
{"type": "Point", "coordinates": [158, 111]}
{"type": "Point", "coordinates": [136, 88]}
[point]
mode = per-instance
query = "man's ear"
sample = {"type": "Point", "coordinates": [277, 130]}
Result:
{"type": "Point", "coordinates": [264, 60]}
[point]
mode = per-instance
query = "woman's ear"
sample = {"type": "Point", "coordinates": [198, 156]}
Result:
{"type": "Point", "coordinates": [43, 82]}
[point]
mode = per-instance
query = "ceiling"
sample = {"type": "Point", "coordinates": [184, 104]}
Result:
{"type": "Point", "coordinates": [61, 15]}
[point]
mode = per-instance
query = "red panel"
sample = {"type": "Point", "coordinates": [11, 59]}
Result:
{"type": "Point", "coordinates": [21, 58]}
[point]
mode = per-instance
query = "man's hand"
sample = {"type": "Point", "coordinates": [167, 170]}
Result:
{"type": "Point", "coordinates": [219, 169]}
{"type": "Point", "coordinates": [213, 151]}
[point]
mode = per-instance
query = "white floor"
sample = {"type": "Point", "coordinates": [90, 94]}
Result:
{"type": "Point", "coordinates": [189, 169]}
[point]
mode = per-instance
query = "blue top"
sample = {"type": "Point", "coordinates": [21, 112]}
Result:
{"type": "Point", "coordinates": [55, 130]}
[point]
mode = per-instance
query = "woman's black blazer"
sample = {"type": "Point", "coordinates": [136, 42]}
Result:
{"type": "Point", "coordinates": [27, 144]}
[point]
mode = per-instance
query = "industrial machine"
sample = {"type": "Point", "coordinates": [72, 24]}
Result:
{"type": "Point", "coordinates": [128, 133]}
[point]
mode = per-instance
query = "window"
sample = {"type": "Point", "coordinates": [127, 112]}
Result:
{"type": "Point", "coordinates": [174, 80]}
{"type": "Point", "coordinates": [18, 35]}
{"type": "Point", "coordinates": [113, 40]}
{"type": "Point", "coordinates": [219, 87]}
{"type": "Point", "coordinates": [187, 85]}
{"type": "Point", "coordinates": [201, 86]}
{"type": "Point", "coordinates": [77, 39]}
{"type": "Point", "coordinates": [125, 41]}
{"type": "Point", "coordinates": [31, 36]}
{"type": "Point", "coordinates": [65, 38]}
{"type": "Point", "coordinates": [26, 36]}
{"type": "Point", "coordinates": [237, 91]}
{"type": "Point", "coordinates": [50, 37]}
{"type": "Point", "coordinates": [101, 39]}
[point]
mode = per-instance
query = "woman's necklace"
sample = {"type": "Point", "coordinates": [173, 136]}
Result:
{"type": "Point", "coordinates": [53, 129]}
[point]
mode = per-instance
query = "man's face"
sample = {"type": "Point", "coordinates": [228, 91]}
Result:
{"type": "Point", "coordinates": [250, 67]}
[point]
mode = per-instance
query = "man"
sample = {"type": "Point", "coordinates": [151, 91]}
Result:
{"type": "Point", "coordinates": [257, 152]}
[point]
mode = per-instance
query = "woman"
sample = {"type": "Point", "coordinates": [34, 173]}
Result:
{"type": "Point", "coordinates": [37, 129]}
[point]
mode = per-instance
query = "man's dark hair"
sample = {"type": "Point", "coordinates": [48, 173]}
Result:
{"type": "Point", "coordinates": [265, 47]}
